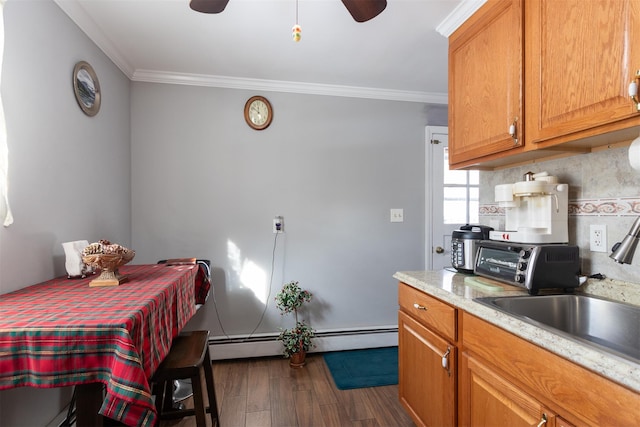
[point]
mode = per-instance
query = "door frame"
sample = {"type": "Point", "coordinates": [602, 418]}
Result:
{"type": "Point", "coordinates": [428, 197]}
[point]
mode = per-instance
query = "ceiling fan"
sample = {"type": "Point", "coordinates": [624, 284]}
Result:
{"type": "Point", "coordinates": [361, 10]}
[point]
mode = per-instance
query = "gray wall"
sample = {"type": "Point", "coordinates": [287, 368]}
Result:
{"type": "Point", "coordinates": [204, 184]}
{"type": "Point", "coordinates": [69, 173]}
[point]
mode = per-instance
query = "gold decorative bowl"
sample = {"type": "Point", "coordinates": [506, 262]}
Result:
{"type": "Point", "coordinates": [108, 265]}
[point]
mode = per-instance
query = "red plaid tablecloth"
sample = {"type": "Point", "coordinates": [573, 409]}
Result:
{"type": "Point", "coordinates": [63, 332]}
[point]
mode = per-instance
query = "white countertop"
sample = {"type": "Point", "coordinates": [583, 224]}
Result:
{"type": "Point", "coordinates": [451, 288]}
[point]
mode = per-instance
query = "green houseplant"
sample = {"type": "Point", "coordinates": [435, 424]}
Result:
{"type": "Point", "coordinates": [297, 340]}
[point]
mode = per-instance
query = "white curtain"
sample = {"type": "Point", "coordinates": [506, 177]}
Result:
{"type": "Point", "coordinates": [5, 211]}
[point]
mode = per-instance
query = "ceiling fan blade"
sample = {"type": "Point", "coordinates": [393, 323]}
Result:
{"type": "Point", "coordinates": [208, 6]}
{"type": "Point", "coordinates": [363, 10]}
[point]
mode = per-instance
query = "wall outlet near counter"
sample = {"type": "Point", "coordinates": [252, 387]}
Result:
{"type": "Point", "coordinates": [598, 238]}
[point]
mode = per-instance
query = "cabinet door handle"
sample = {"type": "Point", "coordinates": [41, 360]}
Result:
{"type": "Point", "coordinates": [513, 131]}
{"type": "Point", "coordinates": [633, 90]}
{"type": "Point", "coordinates": [445, 358]}
{"type": "Point", "coordinates": [543, 420]}
{"type": "Point", "coordinates": [445, 361]}
{"type": "Point", "coordinates": [419, 307]}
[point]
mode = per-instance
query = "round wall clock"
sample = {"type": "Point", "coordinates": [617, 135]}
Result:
{"type": "Point", "coordinates": [258, 112]}
{"type": "Point", "coordinates": [86, 88]}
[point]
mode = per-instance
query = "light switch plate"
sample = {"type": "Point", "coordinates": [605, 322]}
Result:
{"type": "Point", "coordinates": [397, 215]}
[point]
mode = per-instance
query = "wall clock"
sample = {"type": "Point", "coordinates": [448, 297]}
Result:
{"type": "Point", "coordinates": [258, 112]}
{"type": "Point", "coordinates": [86, 88]}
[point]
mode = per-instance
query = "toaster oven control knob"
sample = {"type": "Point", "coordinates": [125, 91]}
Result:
{"type": "Point", "coordinates": [520, 278]}
{"type": "Point", "coordinates": [522, 266]}
{"type": "Point", "coordinates": [524, 254]}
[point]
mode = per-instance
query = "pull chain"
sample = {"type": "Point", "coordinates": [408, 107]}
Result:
{"type": "Point", "coordinates": [297, 30]}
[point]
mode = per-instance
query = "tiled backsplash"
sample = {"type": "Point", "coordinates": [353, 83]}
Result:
{"type": "Point", "coordinates": [603, 189]}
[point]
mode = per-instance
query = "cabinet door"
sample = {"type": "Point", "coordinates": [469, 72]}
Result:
{"type": "Point", "coordinates": [561, 422]}
{"type": "Point", "coordinates": [577, 394]}
{"type": "Point", "coordinates": [491, 400]}
{"type": "Point", "coordinates": [581, 56]}
{"type": "Point", "coordinates": [485, 82]}
{"type": "Point", "coordinates": [426, 387]}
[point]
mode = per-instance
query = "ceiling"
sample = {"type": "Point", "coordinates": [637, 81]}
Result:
{"type": "Point", "coordinates": [397, 55]}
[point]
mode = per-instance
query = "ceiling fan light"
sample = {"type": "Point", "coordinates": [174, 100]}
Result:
{"type": "Point", "coordinates": [364, 10]}
{"type": "Point", "coordinates": [208, 6]}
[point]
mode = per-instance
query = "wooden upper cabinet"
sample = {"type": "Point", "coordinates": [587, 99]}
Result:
{"type": "Point", "coordinates": [486, 82]}
{"type": "Point", "coordinates": [581, 56]}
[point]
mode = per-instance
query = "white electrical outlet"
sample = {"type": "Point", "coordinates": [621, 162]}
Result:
{"type": "Point", "coordinates": [397, 215]}
{"type": "Point", "coordinates": [278, 225]}
{"type": "Point", "coordinates": [598, 238]}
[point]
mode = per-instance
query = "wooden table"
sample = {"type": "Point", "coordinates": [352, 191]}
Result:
{"type": "Point", "coordinates": [63, 332]}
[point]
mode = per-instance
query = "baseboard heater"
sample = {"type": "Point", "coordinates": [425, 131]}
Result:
{"type": "Point", "coordinates": [239, 347]}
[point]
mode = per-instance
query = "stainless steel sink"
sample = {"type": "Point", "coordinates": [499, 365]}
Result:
{"type": "Point", "coordinates": [605, 324]}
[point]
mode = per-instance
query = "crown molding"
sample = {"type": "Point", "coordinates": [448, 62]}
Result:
{"type": "Point", "coordinates": [79, 16]}
{"type": "Point", "coordinates": [460, 14]}
{"type": "Point", "coordinates": [287, 86]}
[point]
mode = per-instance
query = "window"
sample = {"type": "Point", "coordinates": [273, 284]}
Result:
{"type": "Point", "coordinates": [5, 211]}
{"type": "Point", "coordinates": [461, 194]}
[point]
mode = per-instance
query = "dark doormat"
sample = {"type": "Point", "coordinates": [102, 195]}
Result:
{"type": "Point", "coordinates": [363, 368]}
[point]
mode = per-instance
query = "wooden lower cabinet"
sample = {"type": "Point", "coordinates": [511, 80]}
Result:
{"type": "Point", "coordinates": [561, 422]}
{"type": "Point", "coordinates": [506, 380]}
{"type": "Point", "coordinates": [457, 369]}
{"type": "Point", "coordinates": [427, 371]}
{"type": "Point", "coordinates": [490, 400]}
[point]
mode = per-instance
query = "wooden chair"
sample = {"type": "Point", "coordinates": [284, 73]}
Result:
{"type": "Point", "coordinates": [188, 358]}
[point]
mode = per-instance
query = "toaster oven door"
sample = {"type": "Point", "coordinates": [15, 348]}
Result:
{"type": "Point", "coordinates": [497, 263]}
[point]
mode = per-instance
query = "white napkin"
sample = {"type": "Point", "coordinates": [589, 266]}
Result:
{"type": "Point", "coordinates": [74, 265]}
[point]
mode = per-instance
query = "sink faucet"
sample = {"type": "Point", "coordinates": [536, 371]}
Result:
{"type": "Point", "coordinates": [623, 251]}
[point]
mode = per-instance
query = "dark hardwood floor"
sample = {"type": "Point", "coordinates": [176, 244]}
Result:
{"type": "Point", "coordinates": [266, 392]}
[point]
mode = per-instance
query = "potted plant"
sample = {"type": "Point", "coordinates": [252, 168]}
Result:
{"type": "Point", "coordinates": [297, 340]}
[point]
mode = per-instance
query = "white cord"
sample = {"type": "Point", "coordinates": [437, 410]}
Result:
{"type": "Point", "coordinates": [266, 305]}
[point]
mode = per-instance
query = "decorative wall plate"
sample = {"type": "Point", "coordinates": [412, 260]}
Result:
{"type": "Point", "coordinates": [86, 88]}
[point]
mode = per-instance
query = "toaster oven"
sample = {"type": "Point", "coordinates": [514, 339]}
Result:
{"type": "Point", "coordinates": [530, 266]}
